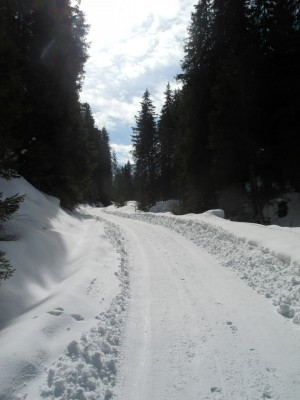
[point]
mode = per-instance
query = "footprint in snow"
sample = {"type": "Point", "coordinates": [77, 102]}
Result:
{"type": "Point", "coordinates": [215, 390]}
{"type": "Point", "coordinates": [77, 317]}
{"type": "Point", "coordinates": [232, 327]}
{"type": "Point", "coordinates": [59, 311]}
{"type": "Point", "coordinates": [56, 312]}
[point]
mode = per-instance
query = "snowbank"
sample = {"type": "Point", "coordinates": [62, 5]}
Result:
{"type": "Point", "coordinates": [267, 258]}
{"type": "Point", "coordinates": [131, 207]}
{"type": "Point", "coordinates": [63, 311]}
{"type": "Point", "coordinates": [165, 206]}
{"type": "Point", "coordinates": [292, 219]}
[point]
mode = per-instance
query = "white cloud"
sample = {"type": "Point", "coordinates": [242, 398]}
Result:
{"type": "Point", "coordinates": [134, 45]}
{"type": "Point", "coordinates": [123, 153]}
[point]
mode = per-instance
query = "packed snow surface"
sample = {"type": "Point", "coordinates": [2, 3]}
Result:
{"type": "Point", "coordinates": [116, 303]}
{"type": "Point", "coordinates": [266, 257]}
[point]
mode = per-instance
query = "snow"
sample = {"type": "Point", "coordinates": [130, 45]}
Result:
{"type": "Point", "coordinates": [266, 257]}
{"type": "Point", "coordinates": [197, 331]}
{"type": "Point", "coordinates": [116, 303]}
{"type": "Point", "coordinates": [293, 216]}
{"type": "Point", "coordinates": [68, 287]}
{"type": "Point", "coordinates": [165, 206]}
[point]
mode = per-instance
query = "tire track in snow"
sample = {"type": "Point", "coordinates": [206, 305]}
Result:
{"type": "Point", "coordinates": [218, 343]}
{"type": "Point", "coordinates": [272, 275]}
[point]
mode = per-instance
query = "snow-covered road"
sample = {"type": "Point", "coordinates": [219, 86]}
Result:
{"type": "Point", "coordinates": [120, 304]}
{"type": "Point", "coordinates": [197, 331]}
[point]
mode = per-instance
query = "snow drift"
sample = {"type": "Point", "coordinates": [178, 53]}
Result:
{"type": "Point", "coordinates": [62, 312]}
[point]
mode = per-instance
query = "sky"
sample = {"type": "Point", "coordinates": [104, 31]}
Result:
{"type": "Point", "coordinates": [134, 45]}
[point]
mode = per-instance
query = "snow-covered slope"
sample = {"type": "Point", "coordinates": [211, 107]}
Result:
{"type": "Point", "coordinates": [60, 303]}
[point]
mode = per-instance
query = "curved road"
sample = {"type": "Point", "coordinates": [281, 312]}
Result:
{"type": "Point", "coordinates": [196, 331]}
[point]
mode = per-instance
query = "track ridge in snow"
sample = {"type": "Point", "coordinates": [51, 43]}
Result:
{"type": "Point", "coordinates": [273, 275]}
{"type": "Point", "coordinates": [88, 369]}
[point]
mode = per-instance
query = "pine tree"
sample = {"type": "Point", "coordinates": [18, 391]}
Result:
{"type": "Point", "coordinates": [145, 143]}
{"type": "Point", "coordinates": [51, 134]}
{"type": "Point", "coordinates": [167, 135]}
{"type": "Point", "coordinates": [103, 172]}
{"type": "Point", "coordinates": [8, 207]}
{"type": "Point", "coordinates": [123, 185]}
{"type": "Point", "coordinates": [14, 38]}
{"type": "Point", "coordinates": [6, 270]}
{"type": "Point", "coordinates": [280, 42]}
{"type": "Point", "coordinates": [234, 117]}
{"type": "Point", "coordinates": [238, 112]}
{"type": "Point", "coordinates": [99, 160]}
{"type": "Point", "coordinates": [193, 152]}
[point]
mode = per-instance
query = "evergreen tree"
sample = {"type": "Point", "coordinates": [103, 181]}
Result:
{"type": "Point", "coordinates": [238, 118]}
{"type": "Point", "coordinates": [234, 117]}
{"type": "Point", "coordinates": [279, 41]}
{"type": "Point", "coordinates": [123, 185]}
{"type": "Point", "coordinates": [8, 207]}
{"type": "Point", "coordinates": [167, 132]}
{"type": "Point", "coordinates": [6, 270]}
{"type": "Point", "coordinates": [193, 153]}
{"type": "Point", "coordinates": [99, 160]}
{"type": "Point", "coordinates": [145, 153]}
{"type": "Point", "coordinates": [103, 172]}
{"type": "Point", "coordinates": [15, 31]}
{"type": "Point", "coordinates": [51, 135]}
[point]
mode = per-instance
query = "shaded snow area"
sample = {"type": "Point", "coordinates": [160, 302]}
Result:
{"type": "Point", "coordinates": [266, 258]}
{"type": "Point", "coordinates": [165, 206]}
{"type": "Point", "coordinates": [292, 219]}
{"type": "Point", "coordinates": [63, 311]}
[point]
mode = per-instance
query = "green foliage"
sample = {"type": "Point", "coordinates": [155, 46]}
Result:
{"type": "Point", "coordinates": [12, 86]}
{"type": "Point", "coordinates": [123, 185]}
{"type": "Point", "coordinates": [232, 132]}
{"type": "Point", "coordinates": [145, 153]}
{"type": "Point", "coordinates": [167, 137]}
{"type": "Point", "coordinates": [45, 133]}
{"type": "Point", "coordinates": [9, 206]}
{"type": "Point", "coordinates": [238, 118]}
{"type": "Point", "coordinates": [194, 155]}
{"type": "Point", "coordinates": [6, 270]}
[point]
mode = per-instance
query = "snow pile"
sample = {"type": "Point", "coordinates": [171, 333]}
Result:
{"type": "Point", "coordinates": [293, 210]}
{"type": "Point", "coordinates": [165, 206]}
{"type": "Point", "coordinates": [131, 207]}
{"type": "Point", "coordinates": [87, 370]}
{"type": "Point", "coordinates": [267, 259]}
{"type": "Point", "coordinates": [217, 213]}
{"type": "Point", "coordinates": [62, 312]}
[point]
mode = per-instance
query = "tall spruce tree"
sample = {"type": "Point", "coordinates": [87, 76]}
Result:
{"type": "Point", "coordinates": [235, 113]}
{"type": "Point", "coordinates": [51, 134]}
{"type": "Point", "coordinates": [145, 153]}
{"type": "Point", "coordinates": [123, 185]}
{"type": "Point", "coordinates": [167, 135]}
{"type": "Point", "coordinates": [280, 41]}
{"type": "Point", "coordinates": [193, 152]}
{"type": "Point", "coordinates": [99, 160]}
{"type": "Point", "coordinates": [15, 33]}
{"type": "Point", "coordinates": [103, 172]}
